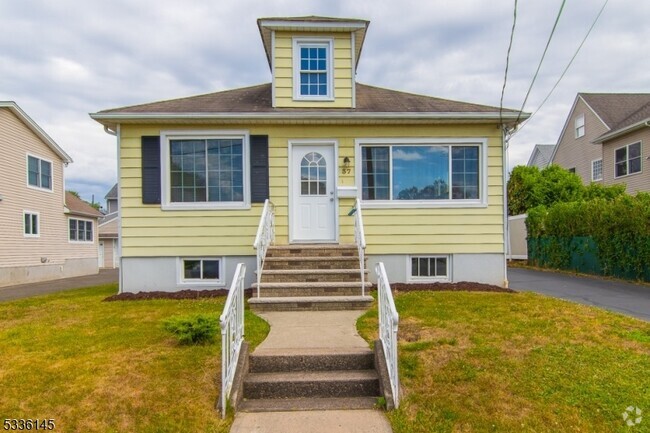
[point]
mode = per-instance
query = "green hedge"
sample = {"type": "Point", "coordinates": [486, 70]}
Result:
{"type": "Point", "coordinates": [607, 237]}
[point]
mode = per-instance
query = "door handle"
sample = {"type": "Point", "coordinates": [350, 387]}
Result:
{"type": "Point", "coordinates": [331, 198]}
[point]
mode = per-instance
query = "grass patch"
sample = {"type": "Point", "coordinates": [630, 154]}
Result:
{"type": "Point", "coordinates": [98, 366]}
{"type": "Point", "coordinates": [492, 362]}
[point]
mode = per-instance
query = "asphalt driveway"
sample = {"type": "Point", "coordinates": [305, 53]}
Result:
{"type": "Point", "coordinates": [622, 297]}
{"type": "Point", "coordinates": [105, 276]}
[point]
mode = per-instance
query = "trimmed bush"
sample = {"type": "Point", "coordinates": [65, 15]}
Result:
{"type": "Point", "coordinates": [198, 329]}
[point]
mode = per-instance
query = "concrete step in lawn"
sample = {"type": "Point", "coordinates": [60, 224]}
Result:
{"type": "Point", "coordinates": [287, 360]}
{"type": "Point", "coordinates": [308, 404]}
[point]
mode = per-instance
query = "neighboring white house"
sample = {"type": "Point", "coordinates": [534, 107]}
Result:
{"type": "Point", "coordinates": [46, 234]}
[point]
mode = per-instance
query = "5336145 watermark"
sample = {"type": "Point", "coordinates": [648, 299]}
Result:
{"type": "Point", "coordinates": [28, 424]}
{"type": "Point", "coordinates": [632, 416]}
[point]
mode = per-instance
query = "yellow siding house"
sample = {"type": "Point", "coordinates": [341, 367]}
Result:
{"type": "Point", "coordinates": [194, 172]}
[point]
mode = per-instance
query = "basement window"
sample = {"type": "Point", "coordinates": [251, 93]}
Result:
{"type": "Point", "coordinates": [202, 270]}
{"type": "Point", "coordinates": [429, 268]}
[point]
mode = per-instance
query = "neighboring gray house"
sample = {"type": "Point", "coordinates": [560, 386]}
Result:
{"type": "Point", "coordinates": [541, 156]}
{"type": "Point", "coordinates": [606, 139]}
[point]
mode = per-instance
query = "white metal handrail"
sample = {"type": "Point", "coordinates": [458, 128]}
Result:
{"type": "Point", "coordinates": [232, 333]}
{"type": "Point", "coordinates": [265, 237]}
{"type": "Point", "coordinates": [388, 324]}
{"type": "Point", "coordinates": [360, 240]}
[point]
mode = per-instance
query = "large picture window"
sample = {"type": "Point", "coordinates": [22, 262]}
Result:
{"type": "Point", "coordinates": [420, 172]}
{"type": "Point", "coordinates": [628, 159]}
{"type": "Point", "coordinates": [39, 173]}
{"type": "Point", "coordinates": [205, 170]}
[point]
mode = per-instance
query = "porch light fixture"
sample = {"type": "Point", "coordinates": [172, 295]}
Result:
{"type": "Point", "coordinates": [346, 162]}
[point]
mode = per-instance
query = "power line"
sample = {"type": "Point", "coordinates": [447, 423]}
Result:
{"type": "Point", "coordinates": [557, 19]}
{"type": "Point", "coordinates": [565, 69]}
{"type": "Point", "coordinates": [505, 78]}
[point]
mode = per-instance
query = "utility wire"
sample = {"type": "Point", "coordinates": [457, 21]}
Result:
{"type": "Point", "coordinates": [565, 69]}
{"type": "Point", "coordinates": [505, 78]}
{"type": "Point", "coordinates": [557, 19]}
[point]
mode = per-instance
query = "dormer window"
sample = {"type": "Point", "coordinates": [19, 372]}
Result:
{"type": "Point", "coordinates": [313, 72]}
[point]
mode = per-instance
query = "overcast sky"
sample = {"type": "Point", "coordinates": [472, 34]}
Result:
{"type": "Point", "coordinates": [63, 59]}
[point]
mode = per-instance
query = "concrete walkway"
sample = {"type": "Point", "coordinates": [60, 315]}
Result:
{"type": "Point", "coordinates": [312, 330]}
{"type": "Point", "coordinates": [105, 276]}
{"type": "Point", "coordinates": [626, 298]}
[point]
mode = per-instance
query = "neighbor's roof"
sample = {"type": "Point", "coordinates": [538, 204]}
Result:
{"type": "Point", "coordinates": [109, 229]}
{"type": "Point", "coordinates": [20, 114]}
{"type": "Point", "coordinates": [255, 103]}
{"type": "Point", "coordinates": [545, 152]}
{"type": "Point", "coordinates": [112, 193]}
{"type": "Point", "coordinates": [310, 24]}
{"type": "Point", "coordinates": [620, 112]}
{"type": "Point", "coordinates": [77, 206]}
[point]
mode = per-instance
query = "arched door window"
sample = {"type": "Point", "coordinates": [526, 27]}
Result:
{"type": "Point", "coordinates": [313, 174]}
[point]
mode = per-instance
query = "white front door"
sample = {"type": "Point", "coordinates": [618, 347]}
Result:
{"type": "Point", "coordinates": [313, 201]}
{"type": "Point", "coordinates": [100, 254]}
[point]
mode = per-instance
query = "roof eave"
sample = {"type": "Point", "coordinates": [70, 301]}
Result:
{"type": "Point", "coordinates": [620, 132]}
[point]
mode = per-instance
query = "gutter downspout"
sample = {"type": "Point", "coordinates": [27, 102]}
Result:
{"type": "Point", "coordinates": [506, 231]}
{"type": "Point", "coordinates": [120, 284]}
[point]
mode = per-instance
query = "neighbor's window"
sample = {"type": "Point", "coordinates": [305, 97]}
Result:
{"type": "Point", "coordinates": [31, 224]}
{"type": "Point", "coordinates": [39, 172]}
{"type": "Point", "coordinates": [201, 270]}
{"type": "Point", "coordinates": [597, 170]}
{"type": "Point", "coordinates": [313, 69]}
{"type": "Point", "coordinates": [628, 159]}
{"type": "Point", "coordinates": [429, 267]}
{"type": "Point", "coordinates": [420, 172]}
{"type": "Point", "coordinates": [206, 170]}
{"type": "Point", "coordinates": [580, 126]}
{"type": "Point", "coordinates": [80, 230]}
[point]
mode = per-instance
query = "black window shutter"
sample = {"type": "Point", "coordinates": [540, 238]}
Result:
{"type": "Point", "coordinates": [259, 168]}
{"type": "Point", "coordinates": [151, 170]}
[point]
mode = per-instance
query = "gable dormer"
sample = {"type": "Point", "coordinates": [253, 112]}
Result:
{"type": "Point", "coordinates": [313, 60]}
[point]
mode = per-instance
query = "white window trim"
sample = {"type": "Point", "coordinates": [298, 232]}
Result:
{"type": "Point", "coordinates": [582, 125]}
{"type": "Point", "coordinates": [482, 202]}
{"type": "Point", "coordinates": [409, 268]}
{"type": "Point", "coordinates": [297, 41]}
{"type": "Point", "coordinates": [627, 160]}
{"type": "Point", "coordinates": [166, 136]}
{"type": "Point", "coordinates": [84, 242]}
{"type": "Point", "coordinates": [601, 170]}
{"type": "Point", "coordinates": [221, 282]}
{"type": "Point", "coordinates": [38, 224]}
{"type": "Point", "coordinates": [39, 188]}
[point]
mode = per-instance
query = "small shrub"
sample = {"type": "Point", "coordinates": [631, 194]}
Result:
{"type": "Point", "coordinates": [198, 329]}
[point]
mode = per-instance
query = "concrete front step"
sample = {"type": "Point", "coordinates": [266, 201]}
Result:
{"type": "Point", "coordinates": [303, 404]}
{"type": "Point", "coordinates": [309, 303]}
{"type": "Point", "coordinates": [270, 361]}
{"type": "Point", "coordinates": [318, 384]}
{"type": "Point", "coordinates": [301, 289]}
{"type": "Point", "coordinates": [330, 262]}
{"type": "Point", "coordinates": [311, 275]}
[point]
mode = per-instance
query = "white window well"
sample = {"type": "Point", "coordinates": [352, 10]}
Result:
{"type": "Point", "coordinates": [206, 270]}
{"type": "Point", "coordinates": [429, 268]}
{"type": "Point", "coordinates": [205, 169]}
{"type": "Point", "coordinates": [422, 173]}
{"type": "Point", "coordinates": [313, 70]}
{"type": "Point", "coordinates": [580, 126]}
{"type": "Point", "coordinates": [31, 224]}
{"type": "Point", "coordinates": [80, 230]}
{"type": "Point", "coordinates": [39, 173]}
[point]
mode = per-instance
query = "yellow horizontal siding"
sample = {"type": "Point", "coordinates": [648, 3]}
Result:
{"type": "Point", "coordinates": [149, 231]}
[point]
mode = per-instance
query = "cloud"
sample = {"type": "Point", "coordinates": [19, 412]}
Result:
{"type": "Point", "coordinates": [402, 155]}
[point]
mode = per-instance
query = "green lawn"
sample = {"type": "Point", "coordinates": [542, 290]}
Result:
{"type": "Point", "coordinates": [487, 362]}
{"type": "Point", "coordinates": [96, 366]}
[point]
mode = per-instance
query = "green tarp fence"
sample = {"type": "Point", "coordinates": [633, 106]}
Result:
{"type": "Point", "coordinates": [579, 254]}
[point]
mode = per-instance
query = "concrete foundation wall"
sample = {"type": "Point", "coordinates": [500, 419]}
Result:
{"type": "Point", "coordinates": [10, 276]}
{"type": "Point", "coordinates": [149, 274]}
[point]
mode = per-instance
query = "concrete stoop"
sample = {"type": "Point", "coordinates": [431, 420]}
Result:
{"type": "Point", "coordinates": [316, 379]}
{"type": "Point", "coordinates": [311, 278]}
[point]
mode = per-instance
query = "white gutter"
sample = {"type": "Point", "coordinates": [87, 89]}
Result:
{"type": "Point", "coordinates": [314, 115]}
{"type": "Point", "coordinates": [619, 132]}
{"type": "Point", "coordinates": [288, 24]}
{"type": "Point", "coordinates": [506, 231]}
{"type": "Point", "coordinates": [109, 131]}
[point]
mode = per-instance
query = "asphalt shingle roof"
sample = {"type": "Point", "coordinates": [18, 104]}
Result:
{"type": "Point", "coordinates": [619, 110]}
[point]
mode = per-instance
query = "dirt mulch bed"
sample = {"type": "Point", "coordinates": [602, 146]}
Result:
{"type": "Point", "coordinates": [181, 294]}
{"type": "Point", "coordinates": [463, 286]}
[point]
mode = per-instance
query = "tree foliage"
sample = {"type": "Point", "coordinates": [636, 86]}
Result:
{"type": "Point", "coordinates": [528, 187]}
